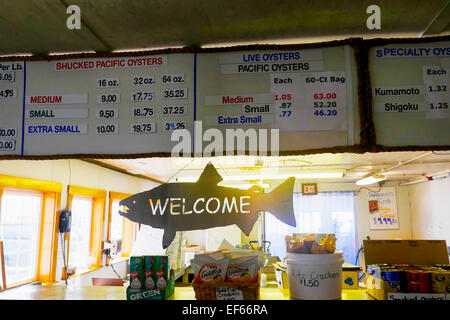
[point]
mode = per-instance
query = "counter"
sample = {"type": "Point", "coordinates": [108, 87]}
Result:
{"type": "Point", "coordinates": [62, 292]}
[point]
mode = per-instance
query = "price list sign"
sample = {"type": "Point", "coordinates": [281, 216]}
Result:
{"type": "Point", "coordinates": [315, 101]}
{"type": "Point", "coordinates": [306, 94]}
{"type": "Point", "coordinates": [410, 90]}
{"type": "Point", "coordinates": [11, 101]}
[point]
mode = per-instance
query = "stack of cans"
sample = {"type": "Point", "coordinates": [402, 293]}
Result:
{"type": "Point", "coordinates": [440, 281]}
{"type": "Point", "coordinates": [418, 281]}
{"type": "Point", "coordinates": [413, 278]}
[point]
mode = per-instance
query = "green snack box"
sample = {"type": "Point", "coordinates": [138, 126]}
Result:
{"type": "Point", "coordinates": [149, 274]}
{"type": "Point", "coordinates": [156, 282]}
{"type": "Point", "coordinates": [161, 271]}
{"type": "Point", "coordinates": [136, 273]}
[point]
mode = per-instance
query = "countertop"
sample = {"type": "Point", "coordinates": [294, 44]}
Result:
{"type": "Point", "coordinates": [62, 292]}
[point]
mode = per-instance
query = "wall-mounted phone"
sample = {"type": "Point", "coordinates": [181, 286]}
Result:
{"type": "Point", "coordinates": [65, 220]}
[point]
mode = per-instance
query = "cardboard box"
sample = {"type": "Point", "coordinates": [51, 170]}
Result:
{"type": "Point", "coordinates": [414, 252]}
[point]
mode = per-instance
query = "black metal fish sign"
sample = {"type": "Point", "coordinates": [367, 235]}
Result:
{"type": "Point", "coordinates": [203, 204]}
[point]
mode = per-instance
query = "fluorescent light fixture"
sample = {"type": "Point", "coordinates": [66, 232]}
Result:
{"type": "Point", "coordinates": [131, 50]}
{"type": "Point", "coordinates": [69, 53]}
{"type": "Point", "coordinates": [283, 176]}
{"type": "Point", "coordinates": [16, 55]}
{"type": "Point", "coordinates": [370, 180]}
{"type": "Point", "coordinates": [246, 186]}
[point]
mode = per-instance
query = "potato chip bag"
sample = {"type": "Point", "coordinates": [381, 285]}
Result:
{"type": "Point", "coordinates": [318, 249]}
{"type": "Point", "coordinates": [243, 270]}
{"type": "Point", "coordinates": [208, 269]}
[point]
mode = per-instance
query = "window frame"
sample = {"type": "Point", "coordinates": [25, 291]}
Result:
{"type": "Point", "coordinates": [129, 230]}
{"type": "Point", "coordinates": [47, 254]}
{"type": "Point", "coordinates": [97, 226]}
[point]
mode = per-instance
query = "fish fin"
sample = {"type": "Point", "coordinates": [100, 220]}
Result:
{"type": "Point", "coordinates": [246, 225]}
{"type": "Point", "coordinates": [168, 237]}
{"type": "Point", "coordinates": [255, 188]}
{"type": "Point", "coordinates": [279, 202]}
{"type": "Point", "coordinates": [210, 175]}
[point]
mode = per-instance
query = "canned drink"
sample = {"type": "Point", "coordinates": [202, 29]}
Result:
{"type": "Point", "coordinates": [393, 275]}
{"type": "Point", "coordinates": [418, 287]}
{"type": "Point", "coordinates": [441, 288]}
{"type": "Point", "coordinates": [396, 285]}
{"type": "Point", "coordinates": [418, 276]}
{"type": "Point", "coordinates": [443, 266]}
{"type": "Point", "coordinates": [440, 277]}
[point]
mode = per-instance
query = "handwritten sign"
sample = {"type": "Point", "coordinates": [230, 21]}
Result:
{"type": "Point", "coordinates": [225, 293]}
{"type": "Point", "coordinates": [382, 209]}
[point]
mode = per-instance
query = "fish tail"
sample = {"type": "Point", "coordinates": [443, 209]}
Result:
{"type": "Point", "coordinates": [279, 202]}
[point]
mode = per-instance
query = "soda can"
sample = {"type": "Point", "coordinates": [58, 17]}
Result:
{"type": "Point", "coordinates": [393, 275]}
{"type": "Point", "coordinates": [440, 277]}
{"type": "Point", "coordinates": [418, 276]}
{"type": "Point", "coordinates": [418, 287]}
{"type": "Point", "coordinates": [443, 266]}
{"type": "Point", "coordinates": [440, 288]}
{"type": "Point", "coordinates": [396, 285]}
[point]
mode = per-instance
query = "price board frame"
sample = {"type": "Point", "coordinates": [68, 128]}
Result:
{"type": "Point", "coordinates": [375, 141]}
{"type": "Point", "coordinates": [360, 49]}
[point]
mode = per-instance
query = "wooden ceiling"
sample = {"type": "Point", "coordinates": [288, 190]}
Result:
{"type": "Point", "coordinates": [398, 166]}
{"type": "Point", "coordinates": [39, 26]}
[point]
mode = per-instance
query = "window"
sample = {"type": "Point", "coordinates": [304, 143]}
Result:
{"type": "Point", "coordinates": [116, 222]}
{"type": "Point", "coordinates": [20, 231]}
{"type": "Point", "coordinates": [120, 228]}
{"type": "Point", "coordinates": [330, 212]}
{"type": "Point", "coordinates": [29, 229]}
{"type": "Point", "coordinates": [84, 241]}
{"type": "Point", "coordinates": [80, 233]}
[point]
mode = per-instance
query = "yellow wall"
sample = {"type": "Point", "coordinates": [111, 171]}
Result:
{"type": "Point", "coordinates": [78, 173]}
{"type": "Point", "coordinates": [430, 210]}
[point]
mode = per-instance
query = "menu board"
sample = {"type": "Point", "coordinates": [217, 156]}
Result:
{"type": "Point", "coordinates": [308, 95]}
{"type": "Point", "coordinates": [114, 105]}
{"type": "Point", "coordinates": [11, 102]}
{"type": "Point", "coordinates": [411, 93]}
{"type": "Point", "coordinates": [131, 105]}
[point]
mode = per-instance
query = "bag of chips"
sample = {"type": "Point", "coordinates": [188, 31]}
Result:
{"type": "Point", "coordinates": [209, 270]}
{"type": "Point", "coordinates": [243, 270]}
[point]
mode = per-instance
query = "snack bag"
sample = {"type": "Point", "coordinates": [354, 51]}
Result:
{"type": "Point", "coordinates": [308, 241]}
{"type": "Point", "coordinates": [243, 270]}
{"type": "Point", "coordinates": [216, 255]}
{"type": "Point", "coordinates": [318, 248]}
{"type": "Point", "coordinates": [294, 245]}
{"type": "Point", "coordinates": [330, 243]}
{"type": "Point", "coordinates": [208, 269]}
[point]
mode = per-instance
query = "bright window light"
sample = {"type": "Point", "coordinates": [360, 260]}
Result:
{"type": "Point", "coordinates": [80, 232]}
{"type": "Point", "coordinates": [19, 231]}
{"type": "Point", "coordinates": [370, 180]}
